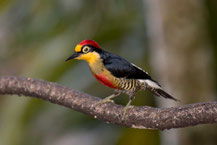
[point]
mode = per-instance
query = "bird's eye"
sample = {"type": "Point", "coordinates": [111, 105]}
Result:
{"type": "Point", "coordinates": [86, 49]}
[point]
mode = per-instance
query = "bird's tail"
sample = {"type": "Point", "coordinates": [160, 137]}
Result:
{"type": "Point", "coordinates": [160, 92]}
{"type": "Point", "coordinates": [155, 88]}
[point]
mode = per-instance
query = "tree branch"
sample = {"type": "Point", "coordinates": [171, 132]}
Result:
{"type": "Point", "coordinates": [136, 117]}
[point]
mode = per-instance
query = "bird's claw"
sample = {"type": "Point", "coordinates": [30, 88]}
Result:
{"type": "Point", "coordinates": [104, 101]}
{"type": "Point", "coordinates": [124, 111]}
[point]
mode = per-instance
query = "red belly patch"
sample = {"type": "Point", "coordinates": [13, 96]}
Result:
{"type": "Point", "coordinates": [104, 80]}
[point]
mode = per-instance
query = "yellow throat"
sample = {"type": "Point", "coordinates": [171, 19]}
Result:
{"type": "Point", "coordinates": [91, 57]}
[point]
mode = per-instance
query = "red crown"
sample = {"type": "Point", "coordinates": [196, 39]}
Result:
{"type": "Point", "coordinates": [90, 42]}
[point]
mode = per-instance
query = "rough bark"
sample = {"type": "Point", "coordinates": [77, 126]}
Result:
{"type": "Point", "coordinates": [137, 117]}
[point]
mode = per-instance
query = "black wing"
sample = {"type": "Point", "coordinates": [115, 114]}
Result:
{"type": "Point", "coordinates": [121, 68]}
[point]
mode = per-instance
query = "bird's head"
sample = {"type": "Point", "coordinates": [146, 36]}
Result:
{"type": "Point", "coordinates": [86, 50]}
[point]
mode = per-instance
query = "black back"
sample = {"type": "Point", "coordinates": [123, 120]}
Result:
{"type": "Point", "coordinates": [121, 68]}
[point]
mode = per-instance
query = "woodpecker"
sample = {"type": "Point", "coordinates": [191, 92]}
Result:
{"type": "Point", "coordinates": [116, 72]}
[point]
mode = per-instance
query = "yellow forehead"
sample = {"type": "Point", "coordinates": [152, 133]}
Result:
{"type": "Point", "coordinates": [78, 48]}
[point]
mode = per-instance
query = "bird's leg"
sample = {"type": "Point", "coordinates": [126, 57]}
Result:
{"type": "Point", "coordinates": [108, 99]}
{"type": "Point", "coordinates": [131, 98]}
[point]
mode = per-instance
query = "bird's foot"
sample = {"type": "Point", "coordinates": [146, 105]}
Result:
{"type": "Point", "coordinates": [124, 111]}
{"type": "Point", "coordinates": [107, 99]}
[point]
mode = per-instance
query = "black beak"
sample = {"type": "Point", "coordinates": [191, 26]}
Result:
{"type": "Point", "coordinates": [74, 55]}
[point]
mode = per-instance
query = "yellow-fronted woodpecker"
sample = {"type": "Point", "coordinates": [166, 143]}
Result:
{"type": "Point", "coordinates": [115, 72]}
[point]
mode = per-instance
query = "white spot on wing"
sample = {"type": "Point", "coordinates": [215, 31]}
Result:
{"type": "Point", "coordinates": [139, 68]}
{"type": "Point", "coordinates": [151, 83]}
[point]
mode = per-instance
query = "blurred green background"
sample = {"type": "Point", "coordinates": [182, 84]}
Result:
{"type": "Point", "coordinates": [36, 37]}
